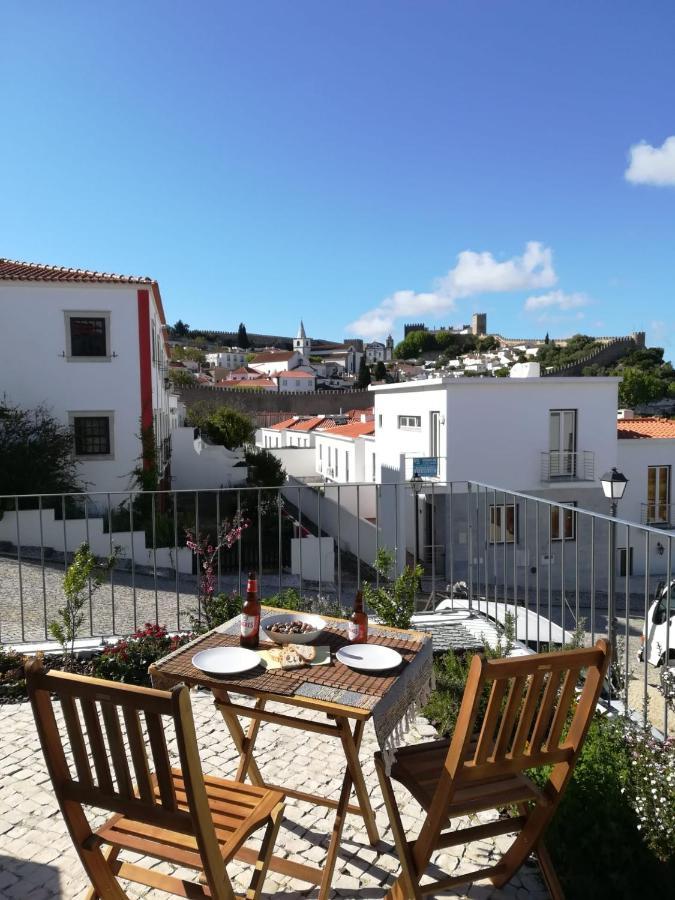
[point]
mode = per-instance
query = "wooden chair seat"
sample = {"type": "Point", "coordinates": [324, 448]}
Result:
{"type": "Point", "coordinates": [532, 717]}
{"type": "Point", "coordinates": [119, 761]}
{"type": "Point", "coordinates": [237, 811]}
{"type": "Point", "coordinates": [418, 768]}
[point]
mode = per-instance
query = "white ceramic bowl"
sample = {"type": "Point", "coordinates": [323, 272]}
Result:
{"type": "Point", "coordinates": [316, 621]}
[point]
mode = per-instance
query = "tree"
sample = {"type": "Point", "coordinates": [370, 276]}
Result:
{"type": "Point", "coordinates": [380, 371]}
{"type": "Point", "coordinates": [242, 337]}
{"type": "Point", "coordinates": [36, 453]}
{"type": "Point", "coordinates": [181, 329]}
{"type": "Point", "coordinates": [364, 374]}
{"type": "Point", "coordinates": [181, 378]}
{"type": "Point", "coordinates": [230, 428]}
{"type": "Point", "coordinates": [264, 468]}
{"type": "Point", "coordinates": [638, 387]}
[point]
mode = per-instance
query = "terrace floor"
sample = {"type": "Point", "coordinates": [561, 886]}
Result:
{"type": "Point", "coordinates": [37, 859]}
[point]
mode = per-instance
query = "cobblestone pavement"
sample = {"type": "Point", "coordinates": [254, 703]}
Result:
{"type": "Point", "coordinates": [38, 862]}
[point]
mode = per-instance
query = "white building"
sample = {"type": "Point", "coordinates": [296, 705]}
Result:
{"type": "Point", "coordinates": [646, 457]}
{"type": "Point", "coordinates": [89, 346]}
{"type": "Point", "coordinates": [340, 452]}
{"type": "Point", "coordinates": [272, 361]}
{"type": "Point", "coordinates": [297, 380]}
{"type": "Point", "coordinates": [298, 431]}
{"type": "Point", "coordinates": [227, 358]}
{"type": "Point", "coordinates": [375, 352]}
{"type": "Point", "coordinates": [302, 344]}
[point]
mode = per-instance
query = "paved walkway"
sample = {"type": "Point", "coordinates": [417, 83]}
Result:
{"type": "Point", "coordinates": [37, 860]}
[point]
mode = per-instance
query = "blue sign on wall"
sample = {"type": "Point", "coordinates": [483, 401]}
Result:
{"type": "Point", "coordinates": [425, 466]}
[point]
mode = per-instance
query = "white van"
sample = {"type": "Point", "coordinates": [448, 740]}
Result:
{"type": "Point", "coordinates": [659, 640]}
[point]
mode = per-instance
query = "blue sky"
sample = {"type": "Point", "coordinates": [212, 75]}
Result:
{"type": "Point", "coordinates": [356, 164]}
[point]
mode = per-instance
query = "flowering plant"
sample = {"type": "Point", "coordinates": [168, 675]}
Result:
{"type": "Point", "coordinates": [206, 553]}
{"type": "Point", "coordinates": [128, 659]}
{"type": "Point", "coordinates": [650, 788]}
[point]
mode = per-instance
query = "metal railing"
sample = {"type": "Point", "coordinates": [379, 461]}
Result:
{"type": "Point", "coordinates": [565, 465]}
{"type": "Point", "coordinates": [554, 568]}
{"type": "Point", "coordinates": [658, 514]}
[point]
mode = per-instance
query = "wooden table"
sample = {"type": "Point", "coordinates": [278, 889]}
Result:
{"type": "Point", "coordinates": [345, 721]}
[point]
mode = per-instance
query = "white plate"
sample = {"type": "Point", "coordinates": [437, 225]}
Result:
{"type": "Point", "coordinates": [369, 657]}
{"type": "Point", "coordinates": [225, 660]}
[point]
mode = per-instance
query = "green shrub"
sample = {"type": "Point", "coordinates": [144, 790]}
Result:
{"type": "Point", "coordinates": [594, 838]}
{"type": "Point", "coordinates": [12, 680]}
{"type": "Point", "coordinates": [393, 602]}
{"type": "Point", "coordinates": [128, 659]}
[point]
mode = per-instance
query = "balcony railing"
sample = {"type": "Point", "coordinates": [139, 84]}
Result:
{"type": "Point", "coordinates": [565, 465]}
{"type": "Point", "coordinates": [555, 569]}
{"type": "Point", "coordinates": [657, 514]}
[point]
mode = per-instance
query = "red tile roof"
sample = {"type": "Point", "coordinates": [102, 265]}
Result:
{"type": "Point", "coordinates": [308, 424]}
{"type": "Point", "coordinates": [646, 428]}
{"type": "Point", "coordinates": [253, 383]}
{"type": "Point", "coordinates": [281, 426]}
{"type": "Point", "coordinates": [353, 429]}
{"type": "Point", "coordinates": [292, 374]}
{"type": "Point", "coordinates": [13, 270]}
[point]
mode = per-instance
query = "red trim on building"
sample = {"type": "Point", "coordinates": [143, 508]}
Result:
{"type": "Point", "coordinates": [144, 358]}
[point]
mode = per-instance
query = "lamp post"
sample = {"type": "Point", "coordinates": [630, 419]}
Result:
{"type": "Point", "coordinates": [415, 483]}
{"type": "Point", "coordinates": [613, 486]}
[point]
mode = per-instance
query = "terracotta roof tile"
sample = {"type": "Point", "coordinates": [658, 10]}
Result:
{"type": "Point", "coordinates": [308, 424]}
{"type": "Point", "coordinates": [646, 428]}
{"type": "Point", "coordinates": [292, 374]}
{"type": "Point", "coordinates": [353, 429]}
{"type": "Point", "coordinates": [281, 426]}
{"type": "Point", "coordinates": [13, 270]}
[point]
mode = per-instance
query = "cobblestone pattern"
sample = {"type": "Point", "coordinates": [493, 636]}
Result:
{"type": "Point", "coordinates": [38, 862]}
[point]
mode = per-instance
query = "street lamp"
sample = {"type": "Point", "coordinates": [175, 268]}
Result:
{"type": "Point", "coordinates": [614, 484]}
{"type": "Point", "coordinates": [415, 484]}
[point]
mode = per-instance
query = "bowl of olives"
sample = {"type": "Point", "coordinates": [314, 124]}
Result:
{"type": "Point", "coordinates": [292, 627]}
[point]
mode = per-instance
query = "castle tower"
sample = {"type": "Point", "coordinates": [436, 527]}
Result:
{"type": "Point", "coordinates": [302, 344]}
{"type": "Point", "coordinates": [479, 323]}
{"type": "Point", "coordinates": [389, 349]}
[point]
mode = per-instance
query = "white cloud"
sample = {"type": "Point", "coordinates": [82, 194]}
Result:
{"type": "Point", "coordinates": [558, 300]}
{"type": "Point", "coordinates": [652, 165]}
{"type": "Point", "coordinates": [475, 273]}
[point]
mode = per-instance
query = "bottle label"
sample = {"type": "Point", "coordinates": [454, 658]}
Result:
{"type": "Point", "coordinates": [356, 632]}
{"type": "Point", "coordinates": [249, 625]}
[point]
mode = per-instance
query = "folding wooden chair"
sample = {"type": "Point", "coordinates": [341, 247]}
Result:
{"type": "Point", "coordinates": [532, 718]}
{"type": "Point", "coordinates": [176, 815]}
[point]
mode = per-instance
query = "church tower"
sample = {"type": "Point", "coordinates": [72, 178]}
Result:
{"type": "Point", "coordinates": [302, 344]}
{"type": "Point", "coordinates": [389, 351]}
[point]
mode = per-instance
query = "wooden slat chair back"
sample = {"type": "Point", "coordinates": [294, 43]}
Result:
{"type": "Point", "coordinates": [134, 780]}
{"type": "Point", "coordinates": [517, 714]}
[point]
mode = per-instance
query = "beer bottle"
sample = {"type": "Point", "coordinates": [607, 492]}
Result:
{"type": "Point", "coordinates": [357, 630]}
{"type": "Point", "coordinates": [250, 615]}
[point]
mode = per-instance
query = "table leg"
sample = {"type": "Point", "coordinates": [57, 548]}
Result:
{"type": "Point", "coordinates": [244, 745]}
{"type": "Point", "coordinates": [353, 775]}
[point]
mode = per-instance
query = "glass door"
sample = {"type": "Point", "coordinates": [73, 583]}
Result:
{"type": "Point", "coordinates": [563, 443]}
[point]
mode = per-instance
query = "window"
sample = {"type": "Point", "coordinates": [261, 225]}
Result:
{"type": "Point", "coordinates": [410, 421]}
{"type": "Point", "coordinates": [563, 522]}
{"type": "Point", "coordinates": [563, 443]}
{"type": "Point", "coordinates": [658, 495]}
{"type": "Point", "coordinates": [92, 434]}
{"type": "Point", "coordinates": [379, 421]}
{"type": "Point", "coordinates": [346, 466]}
{"type": "Point", "coordinates": [87, 335]}
{"type": "Point", "coordinates": [503, 523]}
{"type": "Point", "coordinates": [622, 561]}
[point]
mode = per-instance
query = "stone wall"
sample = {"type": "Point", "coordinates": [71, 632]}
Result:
{"type": "Point", "coordinates": [606, 355]}
{"type": "Point", "coordinates": [254, 402]}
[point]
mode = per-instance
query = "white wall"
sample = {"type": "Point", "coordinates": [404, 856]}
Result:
{"type": "Point", "coordinates": [196, 465]}
{"type": "Point", "coordinates": [298, 461]}
{"type": "Point", "coordinates": [313, 558]}
{"type": "Point", "coordinates": [635, 455]}
{"type": "Point", "coordinates": [34, 329]}
{"type": "Point", "coordinates": [497, 428]}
